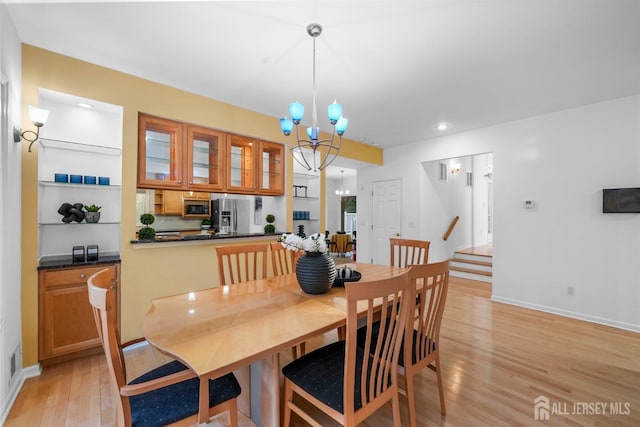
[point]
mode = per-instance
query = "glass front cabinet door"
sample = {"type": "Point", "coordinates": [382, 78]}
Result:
{"type": "Point", "coordinates": [160, 157]}
{"type": "Point", "coordinates": [241, 160]}
{"type": "Point", "coordinates": [176, 155]}
{"type": "Point", "coordinates": [271, 168]}
{"type": "Point", "coordinates": [205, 151]}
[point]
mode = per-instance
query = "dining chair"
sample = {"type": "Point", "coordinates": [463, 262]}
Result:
{"type": "Point", "coordinates": [165, 395]}
{"type": "Point", "coordinates": [283, 261]}
{"type": "Point", "coordinates": [422, 336]}
{"type": "Point", "coordinates": [240, 263]}
{"type": "Point", "coordinates": [341, 379]}
{"type": "Point", "coordinates": [405, 252]}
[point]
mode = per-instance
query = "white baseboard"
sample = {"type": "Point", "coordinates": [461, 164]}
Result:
{"type": "Point", "coordinates": [568, 313]}
{"type": "Point", "coordinates": [25, 373]}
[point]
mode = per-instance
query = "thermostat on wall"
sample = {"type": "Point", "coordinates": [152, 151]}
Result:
{"type": "Point", "coordinates": [529, 203]}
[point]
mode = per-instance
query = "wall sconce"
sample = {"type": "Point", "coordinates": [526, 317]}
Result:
{"type": "Point", "coordinates": [38, 117]}
{"type": "Point", "coordinates": [455, 169]}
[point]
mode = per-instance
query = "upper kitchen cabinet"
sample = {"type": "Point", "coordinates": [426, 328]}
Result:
{"type": "Point", "coordinates": [242, 161]}
{"type": "Point", "coordinates": [178, 156]}
{"type": "Point", "coordinates": [271, 168]}
{"type": "Point", "coordinates": [174, 155]}
{"type": "Point", "coordinates": [160, 153]}
{"type": "Point", "coordinates": [205, 158]}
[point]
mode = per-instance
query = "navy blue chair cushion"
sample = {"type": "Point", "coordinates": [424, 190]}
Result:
{"type": "Point", "coordinates": [178, 401]}
{"type": "Point", "coordinates": [321, 374]}
{"type": "Point", "coordinates": [374, 336]}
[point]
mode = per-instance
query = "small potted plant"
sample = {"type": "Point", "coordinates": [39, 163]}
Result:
{"type": "Point", "coordinates": [92, 214]}
{"type": "Point", "coordinates": [146, 232]}
{"type": "Point", "coordinates": [205, 224]}
{"type": "Point", "coordinates": [269, 228]}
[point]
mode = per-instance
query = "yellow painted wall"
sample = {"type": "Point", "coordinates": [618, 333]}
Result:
{"type": "Point", "coordinates": [147, 272]}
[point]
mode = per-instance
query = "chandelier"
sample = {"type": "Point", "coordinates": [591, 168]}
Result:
{"type": "Point", "coordinates": [342, 191]}
{"type": "Point", "coordinates": [331, 148]}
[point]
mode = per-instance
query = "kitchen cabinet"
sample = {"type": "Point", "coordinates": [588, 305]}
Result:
{"type": "Point", "coordinates": [271, 168]}
{"type": "Point", "coordinates": [168, 202]}
{"type": "Point", "coordinates": [205, 158]}
{"type": "Point", "coordinates": [160, 153]}
{"type": "Point", "coordinates": [196, 195]}
{"type": "Point", "coordinates": [174, 155]}
{"type": "Point", "coordinates": [241, 173]}
{"type": "Point", "coordinates": [65, 318]}
{"type": "Point", "coordinates": [171, 202]}
{"type": "Point", "coordinates": [254, 166]}
{"type": "Point", "coordinates": [178, 156]}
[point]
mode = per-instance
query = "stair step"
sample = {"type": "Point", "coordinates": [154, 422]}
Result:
{"type": "Point", "coordinates": [472, 271]}
{"type": "Point", "coordinates": [472, 261]}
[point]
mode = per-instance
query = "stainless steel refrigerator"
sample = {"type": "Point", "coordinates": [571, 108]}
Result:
{"type": "Point", "coordinates": [231, 216]}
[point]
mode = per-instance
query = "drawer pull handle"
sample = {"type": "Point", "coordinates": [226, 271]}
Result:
{"type": "Point", "coordinates": [82, 275]}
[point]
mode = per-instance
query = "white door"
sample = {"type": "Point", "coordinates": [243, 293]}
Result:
{"type": "Point", "coordinates": [386, 218]}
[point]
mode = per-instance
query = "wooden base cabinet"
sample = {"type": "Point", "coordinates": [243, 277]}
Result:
{"type": "Point", "coordinates": [66, 326]}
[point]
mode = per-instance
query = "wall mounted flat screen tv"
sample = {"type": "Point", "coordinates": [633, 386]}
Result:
{"type": "Point", "coordinates": [621, 200]}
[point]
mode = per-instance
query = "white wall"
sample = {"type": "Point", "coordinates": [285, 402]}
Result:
{"type": "Point", "coordinates": [561, 161]}
{"type": "Point", "coordinates": [10, 178]}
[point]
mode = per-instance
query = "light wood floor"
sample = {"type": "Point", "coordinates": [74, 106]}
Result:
{"type": "Point", "coordinates": [496, 360]}
{"type": "Point", "coordinates": [486, 250]}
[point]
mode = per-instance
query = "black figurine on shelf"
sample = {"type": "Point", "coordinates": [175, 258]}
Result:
{"type": "Point", "coordinates": [71, 212]}
{"type": "Point", "coordinates": [301, 231]}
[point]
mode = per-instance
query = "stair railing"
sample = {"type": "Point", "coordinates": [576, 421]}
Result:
{"type": "Point", "coordinates": [450, 229]}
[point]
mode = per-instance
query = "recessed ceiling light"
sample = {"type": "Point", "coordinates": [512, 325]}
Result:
{"type": "Point", "coordinates": [443, 126]}
{"type": "Point", "coordinates": [84, 105]}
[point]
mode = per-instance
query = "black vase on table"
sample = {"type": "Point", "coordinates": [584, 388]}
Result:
{"type": "Point", "coordinates": [316, 272]}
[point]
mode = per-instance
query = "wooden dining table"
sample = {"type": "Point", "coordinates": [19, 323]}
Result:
{"type": "Point", "coordinates": [220, 330]}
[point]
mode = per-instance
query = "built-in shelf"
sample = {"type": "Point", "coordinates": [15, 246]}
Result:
{"type": "Point", "coordinates": [79, 146]}
{"type": "Point", "coordinates": [302, 175]}
{"type": "Point", "coordinates": [79, 186]}
{"type": "Point", "coordinates": [79, 223]}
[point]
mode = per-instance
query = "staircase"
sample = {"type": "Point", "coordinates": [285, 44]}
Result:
{"type": "Point", "coordinates": [469, 264]}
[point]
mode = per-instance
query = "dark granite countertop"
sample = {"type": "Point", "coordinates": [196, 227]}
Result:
{"type": "Point", "coordinates": [64, 261]}
{"type": "Point", "coordinates": [210, 236]}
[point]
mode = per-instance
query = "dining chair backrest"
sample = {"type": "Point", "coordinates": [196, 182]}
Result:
{"type": "Point", "coordinates": [405, 252]}
{"type": "Point", "coordinates": [422, 335]}
{"type": "Point", "coordinates": [166, 395]}
{"type": "Point", "coordinates": [432, 283]}
{"type": "Point", "coordinates": [366, 303]}
{"type": "Point", "coordinates": [102, 299]}
{"type": "Point", "coordinates": [240, 263]}
{"type": "Point", "coordinates": [283, 260]}
{"type": "Point", "coordinates": [342, 379]}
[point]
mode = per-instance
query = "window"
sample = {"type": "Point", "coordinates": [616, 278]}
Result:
{"type": "Point", "coordinates": [444, 172]}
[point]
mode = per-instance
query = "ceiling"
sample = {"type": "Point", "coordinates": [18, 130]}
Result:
{"type": "Point", "coordinates": [399, 67]}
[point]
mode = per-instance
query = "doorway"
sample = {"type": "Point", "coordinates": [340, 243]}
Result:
{"type": "Point", "coordinates": [461, 186]}
{"type": "Point", "coordinates": [348, 218]}
{"type": "Point", "coordinates": [386, 218]}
